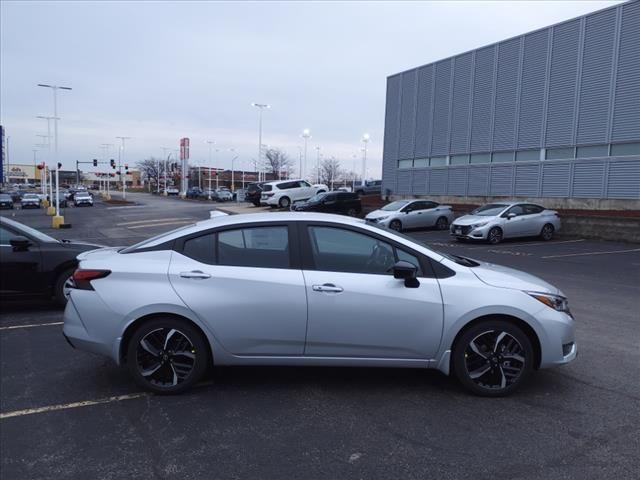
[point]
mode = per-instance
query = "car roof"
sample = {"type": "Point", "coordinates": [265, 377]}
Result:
{"type": "Point", "coordinates": [268, 217]}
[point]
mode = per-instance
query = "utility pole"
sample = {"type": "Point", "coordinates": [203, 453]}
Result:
{"type": "Point", "coordinates": [210, 143]}
{"type": "Point", "coordinates": [318, 164]}
{"type": "Point", "coordinates": [57, 220]}
{"type": "Point", "coordinates": [306, 134]}
{"type": "Point", "coordinates": [260, 106]}
{"type": "Point", "coordinates": [365, 140]}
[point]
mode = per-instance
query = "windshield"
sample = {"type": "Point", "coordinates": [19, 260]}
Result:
{"type": "Point", "coordinates": [317, 198]}
{"type": "Point", "coordinates": [4, 196]}
{"type": "Point", "coordinates": [30, 195]}
{"type": "Point", "coordinates": [393, 206]}
{"type": "Point", "coordinates": [82, 195]}
{"type": "Point", "coordinates": [490, 210]}
{"type": "Point", "coordinates": [31, 232]}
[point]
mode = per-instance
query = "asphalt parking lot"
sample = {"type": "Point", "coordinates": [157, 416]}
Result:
{"type": "Point", "coordinates": [67, 414]}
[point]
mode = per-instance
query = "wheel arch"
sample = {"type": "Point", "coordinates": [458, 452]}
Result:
{"type": "Point", "coordinates": [518, 322]}
{"type": "Point", "coordinates": [137, 323]}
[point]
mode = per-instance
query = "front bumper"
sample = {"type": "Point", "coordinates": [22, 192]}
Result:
{"type": "Point", "coordinates": [468, 232]}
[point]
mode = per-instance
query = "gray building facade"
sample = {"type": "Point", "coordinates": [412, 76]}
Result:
{"type": "Point", "coordinates": [551, 114]}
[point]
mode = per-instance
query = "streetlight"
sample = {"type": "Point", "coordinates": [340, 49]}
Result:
{"type": "Point", "coordinates": [54, 88]}
{"type": "Point", "coordinates": [365, 139]}
{"type": "Point", "coordinates": [318, 164]}
{"type": "Point", "coordinates": [306, 134]}
{"type": "Point", "coordinates": [121, 159]}
{"type": "Point", "coordinates": [210, 143]}
{"type": "Point", "coordinates": [233, 184]}
{"type": "Point", "coordinates": [260, 106]}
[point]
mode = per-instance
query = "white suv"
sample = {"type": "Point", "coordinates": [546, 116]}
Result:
{"type": "Point", "coordinates": [283, 193]}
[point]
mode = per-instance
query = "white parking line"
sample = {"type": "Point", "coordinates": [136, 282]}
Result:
{"type": "Point", "coordinates": [152, 220]}
{"type": "Point", "coordinates": [592, 253]}
{"type": "Point", "coordinates": [125, 206]}
{"type": "Point", "coordinates": [543, 243]}
{"type": "Point", "coordinates": [14, 327]}
{"type": "Point", "coordinates": [149, 225]}
{"type": "Point", "coordinates": [65, 406]}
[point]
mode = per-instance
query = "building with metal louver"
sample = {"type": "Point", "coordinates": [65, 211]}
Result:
{"type": "Point", "coordinates": [551, 115]}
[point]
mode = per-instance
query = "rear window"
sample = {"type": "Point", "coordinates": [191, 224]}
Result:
{"type": "Point", "coordinates": [267, 188]}
{"type": "Point", "coordinates": [347, 196]}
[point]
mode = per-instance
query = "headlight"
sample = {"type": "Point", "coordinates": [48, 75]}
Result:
{"type": "Point", "coordinates": [478, 225]}
{"type": "Point", "coordinates": [379, 219]}
{"type": "Point", "coordinates": [556, 302]}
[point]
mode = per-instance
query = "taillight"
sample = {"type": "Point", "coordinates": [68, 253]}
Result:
{"type": "Point", "coordinates": [82, 278]}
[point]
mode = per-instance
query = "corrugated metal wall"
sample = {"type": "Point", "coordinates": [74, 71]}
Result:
{"type": "Point", "coordinates": [575, 83]}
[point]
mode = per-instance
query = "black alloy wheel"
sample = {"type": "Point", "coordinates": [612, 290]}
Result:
{"type": "Point", "coordinates": [494, 236]}
{"type": "Point", "coordinates": [546, 233]}
{"type": "Point", "coordinates": [442, 223]}
{"type": "Point", "coordinates": [493, 358]}
{"type": "Point", "coordinates": [167, 356]}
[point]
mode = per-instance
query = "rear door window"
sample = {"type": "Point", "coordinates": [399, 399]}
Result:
{"type": "Point", "coordinates": [265, 247]}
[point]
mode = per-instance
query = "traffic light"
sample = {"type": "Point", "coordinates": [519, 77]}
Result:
{"type": "Point", "coordinates": [112, 162]}
{"type": "Point", "coordinates": [59, 165]}
{"type": "Point", "coordinates": [40, 166]}
{"type": "Point", "coordinates": [95, 162]}
{"type": "Point", "coordinates": [126, 168]}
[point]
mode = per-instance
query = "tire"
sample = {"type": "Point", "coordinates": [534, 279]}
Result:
{"type": "Point", "coordinates": [159, 363]}
{"type": "Point", "coordinates": [360, 193]}
{"type": "Point", "coordinates": [494, 236]}
{"type": "Point", "coordinates": [256, 204]}
{"type": "Point", "coordinates": [284, 202]}
{"type": "Point", "coordinates": [442, 223]}
{"type": "Point", "coordinates": [352, 212]}
{"type": "Point", "coordinates": [395, 225]}
{"type": "Point", "coordinates": [547, 232]}
{"type": "Point", "coordinates": [60, 286]}
{"type": "Point", "coordinates": [320, 191]}
{"type": "Point", "coordinates": [499, 361]}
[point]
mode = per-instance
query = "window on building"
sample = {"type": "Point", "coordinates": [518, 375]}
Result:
{"type": "Point", "coordinates": [527, 155]}
{"type": "Point", "coordinates": [480, 157]}
{"type": "Point", "coordinates": [420, 162]}
{"type": "Point", "coordinates": [405, 163]}
{"type": "Point", "coordinates": [559, 153]}
{"type": "Point", "coordinates": [459, 159]}
{"type": "Point", "coordinates": [619, 149]}
{"type": "Point", "coordinates": [438, 161]}
{"type": "Point", "coordinates": [592, 151]}
{"type": "Point", "coordinates": [501, 157]}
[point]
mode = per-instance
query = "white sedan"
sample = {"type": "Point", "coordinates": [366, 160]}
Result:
{"type": "Point", "coordinates": [406, 214]}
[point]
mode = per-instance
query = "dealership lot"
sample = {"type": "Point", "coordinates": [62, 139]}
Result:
{"type": "Point", "coordinates": [59, 405]}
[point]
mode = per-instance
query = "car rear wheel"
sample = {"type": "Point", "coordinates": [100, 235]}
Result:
{"type": "Point", "coordinates": [493, 358]}
{"type": "Point", "coordinates": [167, 356]}
{"type": "Point", "coordinates": [62, 286]}
{"type": "Point", "coordinates": [352, 212]}
{"type": "Point", "coordinates": [284, 202]}
{"type": "Point", "coordinates": [495, 236]}
{"type": "Point", "coordinates": [442, 223]}
{"type": "Point", "coordinates": [546, 233]}
{"type": "Point", "coordinates": [395, 225]}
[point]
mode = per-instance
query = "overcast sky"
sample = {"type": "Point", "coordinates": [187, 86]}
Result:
{"type": "Point", "coordinates": [158, 71]}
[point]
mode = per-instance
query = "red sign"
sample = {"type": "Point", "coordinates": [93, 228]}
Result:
{"type": "Point", "coordinates": [184, 148]}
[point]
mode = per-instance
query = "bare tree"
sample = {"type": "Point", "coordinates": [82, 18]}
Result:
{"type": "Point", "coordinates": [330, 172]}
{"type": "Point", "coordinates": [277, 162]}
{"type": "Point", "coordinates": [151, 170]}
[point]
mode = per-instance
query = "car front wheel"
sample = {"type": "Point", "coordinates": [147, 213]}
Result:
{"type": "Point", "coordinates": [494, 236]}
{"type": "Point", "coordinates": [395, 225]}
{"type": "Point", "coordinates": [167, 356]}
{"type": "Point", "coordinates": [493, 358]}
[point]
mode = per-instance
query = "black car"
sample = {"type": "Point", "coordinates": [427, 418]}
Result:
{"type": "Point", "coordinates": [6, 201]}
{"type": "Point", "coordinates": [194, 192]}
{"type": "Point", "coordinates": [253, 193]}
{"type": "Point", "coordinates": [346, 203]}
{"type": "Point", "coordinates": [63, 201]}
{"type": "Point", "coordinates": [35, 264]}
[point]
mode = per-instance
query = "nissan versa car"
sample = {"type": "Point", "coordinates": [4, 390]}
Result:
{"type": "Point", "coordinates": [496, 221]}
{"type": "Point", "coordinates": [281, 289]}
{"type": "Point", "coordinates": [406, 214]}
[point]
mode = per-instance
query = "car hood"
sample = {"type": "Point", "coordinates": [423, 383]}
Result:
{"type": "Point", "coordinates": [471, 219]}
{"type": "Point", "coordinates": [379, 213]}
{"type": "Point", "coordinates": [505, 277]}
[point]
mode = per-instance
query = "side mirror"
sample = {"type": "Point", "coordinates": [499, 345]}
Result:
{"type": "Point", "coordinates": [20, 243]}
{"type": "Point", "coordinates": [511, 215]}
{"type": "Point", "coordinates": [408, 272]}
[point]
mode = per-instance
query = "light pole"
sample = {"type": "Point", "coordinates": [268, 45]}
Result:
{"type": "Point", "coordinates": [365, 140]}
{"type": "Point", "coordinates": [165, 159]}
{"type": "Point", "coordinates": [121, 160]}
{"type": "Point", "coordinates": [260, 106]}
{"type": "Point", "coordinates": [306, 134]}
{"type": "Point", "coordinates": [210, 143]}
{"type": "Point", "coordinates": [35, 162]}
{"type": "Point", "coordinates": [318, 164]}
{"type": "Point", "coordinates": [55, 88]}
{"type": "Point", "coordinates": [233, 178]}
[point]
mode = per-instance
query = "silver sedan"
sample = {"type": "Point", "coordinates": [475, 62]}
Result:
{"type": "Point", "coordinates": [496, 221]}
{"type": "Point", "coordinates": [406, 214]}
{"type": "Point", "coordinates": [284, 289]}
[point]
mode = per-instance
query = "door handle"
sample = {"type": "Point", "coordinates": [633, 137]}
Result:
{"type": "Point", "coordinates": [197, 274]}
{"type": "Point", "coordinates": [327, 287]}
